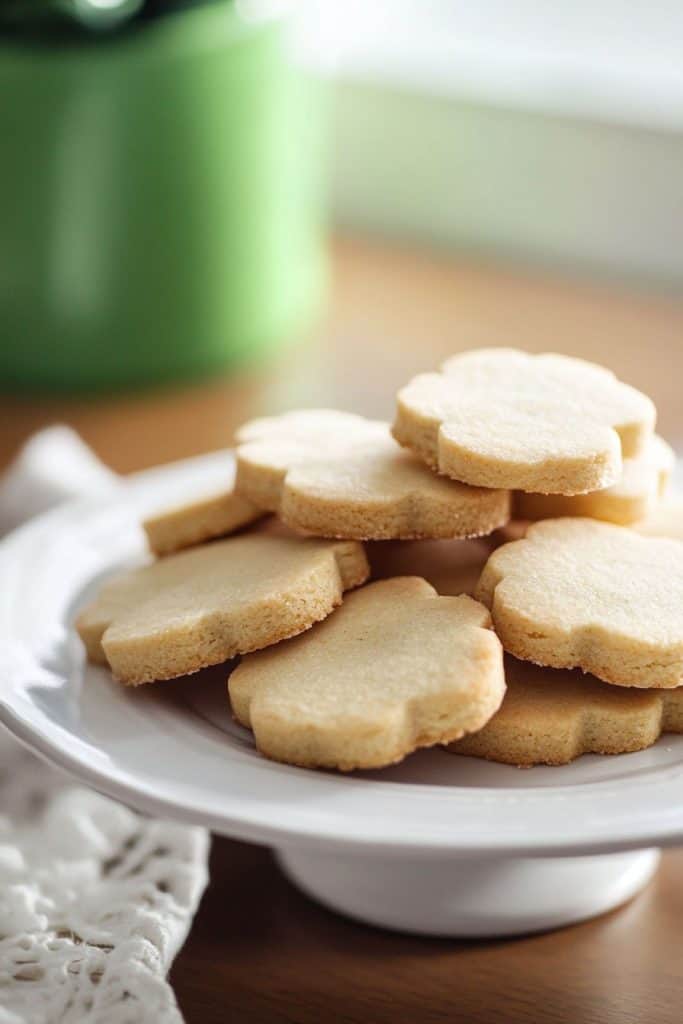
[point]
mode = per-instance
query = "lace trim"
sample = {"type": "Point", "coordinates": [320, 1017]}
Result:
{"type": "Point", "coordinates": [95, 901]}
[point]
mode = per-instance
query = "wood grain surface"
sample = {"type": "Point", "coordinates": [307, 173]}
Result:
{"type": "Point", "coordinates": [262, 953]}
{"type": "Point", "coordinates": [259, 952]}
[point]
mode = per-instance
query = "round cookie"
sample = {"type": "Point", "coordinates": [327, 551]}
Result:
{"type": "Point", "coordinates": [205, 605]}
{"type": "Point", "coordinates": [333, 474]}
{"type": "Point", "coordinates": [581, 593]}
{"type": "Point", "coordinates": [642, 482]}
{"type": "Point", "coordinates": [502, 418]}
{"type": "Point", "coordinates": [552, 716]}
{"type": "Point", "coordinates": [396, 668]}
{"type": "Point", "coordinates": [216, 515]}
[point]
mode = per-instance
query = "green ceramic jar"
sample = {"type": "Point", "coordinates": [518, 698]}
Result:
{"type": "Point", "coordinates": [159, 200]}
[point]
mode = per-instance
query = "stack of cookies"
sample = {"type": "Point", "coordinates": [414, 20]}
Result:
{"type": "Point", "coordinates": [514, 506]}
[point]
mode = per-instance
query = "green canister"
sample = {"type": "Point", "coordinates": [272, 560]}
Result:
{"type": "Point", "coordinates": [160, 197]}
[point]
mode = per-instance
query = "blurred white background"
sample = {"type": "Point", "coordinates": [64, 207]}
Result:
{"type": "Point", "coordinates": [550, 132]}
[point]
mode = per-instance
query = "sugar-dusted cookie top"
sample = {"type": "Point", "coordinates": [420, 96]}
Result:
{"type": "Point", "coordinates": [642, 482]}
{"type": "Point", "coordinates": [396, 668]}
{"type": "Point", "coordinates": [183, 526]}
{"type": "Point", "coordinates": [334, 474]}
{"type": "Point", "coordinates": [203, 606]}
{"type": "Point", "coordinates": [580, 593]}
{"type": "Point", "coordinates": [551, 716]}
{"type": "Point", "coordinates": [452, 567]}
{"type": "Point", "coordinates": [503, 418]}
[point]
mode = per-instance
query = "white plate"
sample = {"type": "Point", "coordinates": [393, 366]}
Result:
{"type": "Point", "coordinates": [172, 749]}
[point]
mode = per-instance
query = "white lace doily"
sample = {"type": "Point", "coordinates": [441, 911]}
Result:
{"type": "Point", "coordinates": [95, 901]}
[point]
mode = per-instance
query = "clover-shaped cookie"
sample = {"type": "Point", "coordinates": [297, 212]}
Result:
{"type": "Point", "coordinates": [502, 418]}
{"type": "Point", "coordinates": [581, 593]}
{"type": "Point", "coordinates": [551, 716]}
{"type": "Point", "coordinates": [183, 526]}
{"type": "Point", "coordinates": [635, 494]}
{"type": "Point", "coordinates": [334, 474]}
{"type": "Point", "coordinates": [203, 606]}
{"type": "Point", "coordinates": [395, 668]}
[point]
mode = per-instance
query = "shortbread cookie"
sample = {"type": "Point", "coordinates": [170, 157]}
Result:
{"type": "Point", "coordinates": [115, 599]}
{"type": "Point", "coordinates": [334, 474]}
{"type": "Point", "coordinates": [642, 482]}
{"type": "Point", "coordinates": [551, 716]}
{"type": "Point", "coordinates": [203, 606]}
{"type": "Point", "coordinates": [664, 520]}
{"type": "Point", "coordinates": [502, 418]}
{"type": "Point", "coordinates": [396, 668]}
{"type": "Point", "coordinates": [580, 593]}
{"type": "Point", "coordinates": [451, 566]}
{"type": "Point", "coordinates": [216, 515]}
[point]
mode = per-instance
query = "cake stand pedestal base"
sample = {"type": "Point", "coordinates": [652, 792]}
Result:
{"type": "Point", "coordinates": [466, 896]}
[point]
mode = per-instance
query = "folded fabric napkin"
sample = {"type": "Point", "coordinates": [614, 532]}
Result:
{"type": "Point", "coordinates": [95, 900]}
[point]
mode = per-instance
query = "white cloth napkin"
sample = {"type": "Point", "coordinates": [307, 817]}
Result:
{"type": "Point", "coordinates": [95, 900]}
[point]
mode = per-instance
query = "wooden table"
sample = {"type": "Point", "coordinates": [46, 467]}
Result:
{"type": "Point", "coordinates": [259, 952]}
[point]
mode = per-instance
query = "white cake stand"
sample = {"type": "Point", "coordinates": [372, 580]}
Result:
{"type": "Point", "coordinates": [439, 845]}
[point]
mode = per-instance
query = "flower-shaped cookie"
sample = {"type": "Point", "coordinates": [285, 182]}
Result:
{"type": "Point", "coordinates": [334, 474]}
{"type": "Point", "coordinates": [205, 605]}
{"type": "Point", "coordinates": [551, 716]}
{"type": "Point", "coordinates": [580, 593]}
{"type": "Point", "coordinates": [396, 668]}
{"type": "Point", "coordinates": [502, 418]}
{"type": "Point", "coordinates": [643, 481]}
